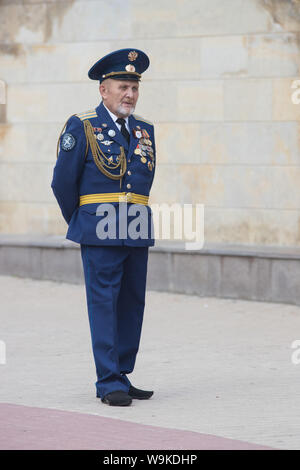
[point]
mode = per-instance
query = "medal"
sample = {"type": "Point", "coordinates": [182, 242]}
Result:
{"type": "Point", "coordinates": [100, 136]}
{"type": "Point", "coordinates": [143, 159]}
{"type": "Point", "coordinates": [150, 166]}
{"type": "Point", "coordinates": [145, 134]}
{"type": "Point", "coordinates": [137, 133]}
{"type": "Point", "coordinates": [111, 133]}
{"type": "Point", "coordinates": [107, 142]}
{"type": "Point", "coordinates": [137, 151]}
{"type": "Point", "coordinates": [104, 125]}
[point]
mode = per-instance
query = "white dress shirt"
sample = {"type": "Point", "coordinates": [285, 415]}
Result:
{"type": "Point", "coordinates": [114, 118]}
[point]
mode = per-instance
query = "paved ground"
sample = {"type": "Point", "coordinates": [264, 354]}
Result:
{"type": "Point", "coordinates": [221, 370]}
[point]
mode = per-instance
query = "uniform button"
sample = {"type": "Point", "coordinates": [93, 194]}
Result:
{"type": "Point", "coordinates": [128, 186]}
{"type": "Point", "coordinates": [129, 172]}
{"type": "Point", "coordinates": [129, 161]}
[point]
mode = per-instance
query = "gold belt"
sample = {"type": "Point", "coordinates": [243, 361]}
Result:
{"type": "Point", "coordinates": [113, 197]}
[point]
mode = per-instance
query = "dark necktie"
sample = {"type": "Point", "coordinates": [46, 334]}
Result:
{"type": "Point", "coordinates": [124, 131]}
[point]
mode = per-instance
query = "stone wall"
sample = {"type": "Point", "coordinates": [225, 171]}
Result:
{"type": "Point", "coordinates": [218, 90]}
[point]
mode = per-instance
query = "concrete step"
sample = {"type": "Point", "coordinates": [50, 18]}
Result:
{"type": "Point", "coordinates": [251, 272]}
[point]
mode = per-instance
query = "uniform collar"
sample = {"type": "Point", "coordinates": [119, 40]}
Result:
{"type": "Point", "coordinates": [105, 117]}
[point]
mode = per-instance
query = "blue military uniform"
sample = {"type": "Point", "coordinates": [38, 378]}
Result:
{"type": "Point", "coordinates": [96, 168]}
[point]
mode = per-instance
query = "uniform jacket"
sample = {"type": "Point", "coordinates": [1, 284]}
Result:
{"type": "Point", "coordinates": [76, 174]}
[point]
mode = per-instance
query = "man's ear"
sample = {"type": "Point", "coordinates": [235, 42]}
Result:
{"type": "Point", "coordinates": [101, 89]}
{"type": "Point", "coordinates": [104, 88]}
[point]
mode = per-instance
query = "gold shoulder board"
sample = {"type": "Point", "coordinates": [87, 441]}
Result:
{"type": "Point", "coordinates": [140, 118]}
{"type": "Point", "coordinates": [87, 115]}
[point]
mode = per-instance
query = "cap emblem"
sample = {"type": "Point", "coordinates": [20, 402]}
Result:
{"type": "Point", "coordinates": [132, 56]}
{"type": "Point", "coordinates": [130, 68]}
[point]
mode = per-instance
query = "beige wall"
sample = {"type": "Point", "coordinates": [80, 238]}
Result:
{"type": "Point", "coordinates": [218, 90]}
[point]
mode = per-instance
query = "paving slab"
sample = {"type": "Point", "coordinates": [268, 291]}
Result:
{"type": "Point", "coordinates": [219, 367]}
{"type": "Point", "coordinates": [32, 428]}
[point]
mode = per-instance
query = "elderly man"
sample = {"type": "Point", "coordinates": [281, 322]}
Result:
{"type": "Point", "coordinates": [101, 180]}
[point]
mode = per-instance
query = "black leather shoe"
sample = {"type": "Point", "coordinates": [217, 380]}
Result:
{"type": "Point", "coordinates": [117, 398]}
{"type": "Point", "coordinates": [139, 394]}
